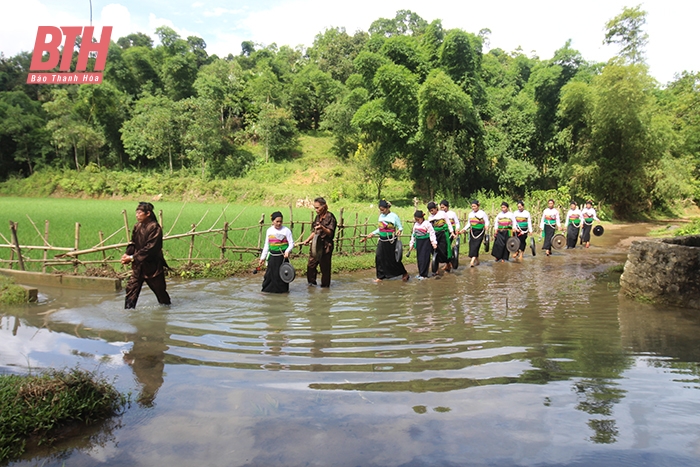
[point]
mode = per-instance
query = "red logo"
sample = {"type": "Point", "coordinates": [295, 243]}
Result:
{"type": "Point", "coordinates": [51, 46]}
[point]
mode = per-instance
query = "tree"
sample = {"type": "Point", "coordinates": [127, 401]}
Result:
{"type": "Point", "coordinates": [277, 130]}
{"type": "Point", "coordinates": [404, 23]}
{"type": "Point", "coordinates": [152, 134]}
{"type": "Point", "coordinates": [23, 137]}
{"type": "Point", "coordinates": [138, 39]}
{"type": "Point", "coordinates": [178, 75]}
{"type": "Point", "coordinates": [374, 166]}
{"type": "Point", "coordinates": [405, 51]}
{"type": "Point", "coordinates": [334, 51]}
{"type": "Point", "coordinates": [626, 30]}
{"type": "Point", "coordinates": [310, 93]}
{"type": "Point", "coordinates": [625, 139]}
{"type": "Point", "coordinates": [460, 57]}
{"type": "Point", "coordinates": [222, 82]}
{"type": "Point", "coordinates": [449, 137]}
{"type": "Point", "coordinates": [70, 130]}
{"type": "Point", "coordinates": [338, 119]}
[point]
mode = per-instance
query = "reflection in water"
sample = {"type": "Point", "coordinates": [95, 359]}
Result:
{"type": "Point", "coordinates": [536, 363]}
{"type": "Point", "coordinates": [147, 355]}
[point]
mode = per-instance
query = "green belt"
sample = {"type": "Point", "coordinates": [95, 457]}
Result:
{"type": "Point", "coordinates": [422, 237]}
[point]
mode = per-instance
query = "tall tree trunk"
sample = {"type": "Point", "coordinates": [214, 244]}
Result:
{"type": "Point", "coordinates": [75, 156]}
{"type": "Point", "coordinates": [29, 161]}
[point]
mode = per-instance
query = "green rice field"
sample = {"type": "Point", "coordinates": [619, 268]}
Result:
{"type": "Point", "coordinates": [106, 216]}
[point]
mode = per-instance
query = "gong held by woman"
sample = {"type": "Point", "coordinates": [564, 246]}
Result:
{"type": "Point", "coordinates": [278, 244]}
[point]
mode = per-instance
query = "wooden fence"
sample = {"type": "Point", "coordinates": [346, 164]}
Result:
{"type": "Point", "coordinates": [225, 243]}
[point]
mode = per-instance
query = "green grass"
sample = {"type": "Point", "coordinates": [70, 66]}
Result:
{"type": "Point", "coordinates": [33, 407]}
{"type": "Point", "coordinates": [11, 294]}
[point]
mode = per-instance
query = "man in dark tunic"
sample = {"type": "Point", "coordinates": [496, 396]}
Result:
{"type": "Point", "coordinates": [324, 226]}
{"type": "Point", "coordinates": [145, 253]}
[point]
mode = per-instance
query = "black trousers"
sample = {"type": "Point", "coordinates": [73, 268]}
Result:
{"type": "Point", "coordinates": [549, 231]}
{"type": "Point", "coordinates": [444, 247]}
{"type": "Point", "coordinates": [156, 284]}
{"type": "Point", "coordinates": [475, 243]}
{"type": "Point", "coordinates": [523, 241]}
{"type": "Point", "coordinates": [385, 261]}
{"type": "Point", "coordinates": [325, 265]}
{"type": "Point", "coordinates": [499, 251]}
{"type": "Point", "coordinates": [571, 235]}
{"type": "Point", "coordinates": [424, 252]}
{"type": "Point", "coordinates": [272, 282]}
{"type": "Point", "coordinates": [586, 234]}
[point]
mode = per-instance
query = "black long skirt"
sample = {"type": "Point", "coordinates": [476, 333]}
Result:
{"type": "Point", "coordinates": [385, 260]}
{"type": "Point", "coordinates": [571, 235]}
{"type": "Point", "coordinates": [444, 250]}
{"type": "Point", "coordinates": [475, 243]}
{"type": "Point", "coordinates": [549, 231]}
{"type": "Point", "coordinates": [424, 251]}
{"type": "Point", "coordinates": [586, 233]}
{"type": "Point", "coordinates": [523, 241]}
{"type": "Point", "coordinates": [272, 282]}
{"type": "Point", "coordinates": [499, 251]}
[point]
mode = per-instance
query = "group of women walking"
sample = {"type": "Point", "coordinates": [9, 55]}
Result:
{"type": "Point", "coordinates": [435, 239]}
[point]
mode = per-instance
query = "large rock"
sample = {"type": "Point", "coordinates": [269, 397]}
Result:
{"type": "Point", "coordinates": [664, 270]}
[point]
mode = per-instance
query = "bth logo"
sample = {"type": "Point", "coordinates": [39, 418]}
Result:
{"type": "Point", "coordinates": [50, 38]}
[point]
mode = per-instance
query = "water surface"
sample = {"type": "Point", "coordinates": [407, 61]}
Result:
{"type": "Point", "coordinates": [531, 364]}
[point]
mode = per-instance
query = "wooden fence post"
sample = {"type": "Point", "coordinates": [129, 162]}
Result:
{"type": "Point", "coordinates": [291, 218]}
{"type": "Point", "coordinates": [104, 254]}
{"type": "Point", "coordinates": [341, 231]}
{"type": "Point", "coordinates": [126, 226]}
{"type": "Point", "coordinates": [160, 217]}
{"type": "Point", "coordinates": [46, 242]}
{"type": "Point", "coordinates": [366, 224]}
{"type": "Point", "coordinates": [13, 231]}
{"type": "Point", "coordinates": [261, 222]}
{"type": "Point", "coordinates": [354, 234]}
{"type": "Point", "coordinates": [189, 255]}
{"type": "Point", "coordinates": [224, 239]}
{"type": "Point", "coordinates": [77, 245]}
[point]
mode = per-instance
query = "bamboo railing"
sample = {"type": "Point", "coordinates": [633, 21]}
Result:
{"type": "Point", "coordinates": [226, 242]}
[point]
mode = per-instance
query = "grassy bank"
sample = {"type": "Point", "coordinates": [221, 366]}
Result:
{"type": "Point", "coordinates": [33, 407]}
{"type": "Point", "coordinates": [11, 294]}
{"type": "Point", "coordinates": [315, 172]}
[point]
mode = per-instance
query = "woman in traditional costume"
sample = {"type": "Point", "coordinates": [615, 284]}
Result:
{"type": "Point", "coordinates": [505, 225]}
{"type": "Point", "coordinates": [278, 244]}
{"type": "Point", "coordinates": [523, 227]}
{"type": "Point", "coordinates": [423, 240]}
{"type": "Point", "coordinates": [389, 230]}
{"type": "Point", "coordinates": [550, 223]}
{"type": "Point", "coordinates": [477, 225]}
{"type": "Point", "coordinates": [573, 224]}
{"type": "Point", "coordinates": [443, 233]}
{"type": "Point", "coordinates": [589, 216]}
{"type": "Point", "coordinates": [454, 220]}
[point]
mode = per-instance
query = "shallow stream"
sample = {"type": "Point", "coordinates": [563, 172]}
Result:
{"type": "Point", "coordinates": [538, 363]}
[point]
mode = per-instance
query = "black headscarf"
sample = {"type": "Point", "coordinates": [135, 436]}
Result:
{"type": "Point", "coordinates": [148, 208]}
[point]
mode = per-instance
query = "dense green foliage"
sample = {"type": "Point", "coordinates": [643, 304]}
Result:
{"type": "Point", "coordinates": [407, 100]}
{"type": "Point", "coordinates": [32, 406]}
